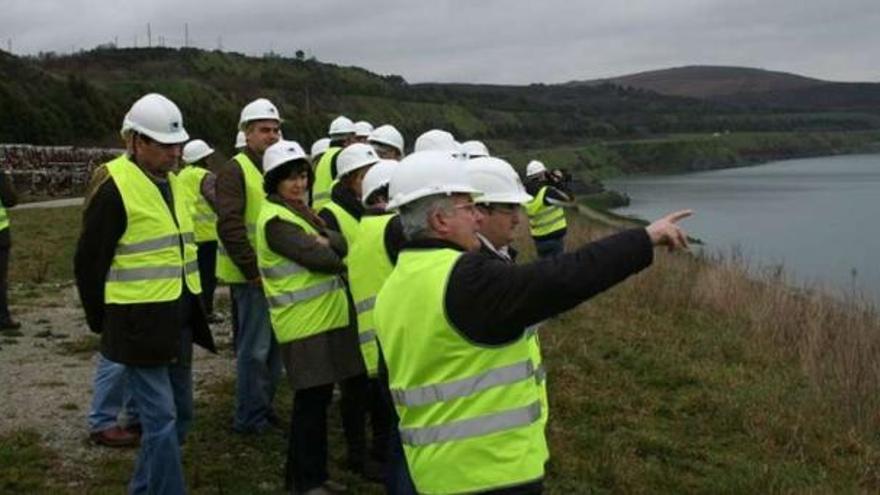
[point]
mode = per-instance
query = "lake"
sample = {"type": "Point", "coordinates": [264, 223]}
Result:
{"type": "Point", "coordinates": [817, 217]}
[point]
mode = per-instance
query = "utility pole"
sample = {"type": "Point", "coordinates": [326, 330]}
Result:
{"type": "Point", "coordinates": [186, 35]}
{"type": "Point", "coordinates": [149, 36]}
{"type": "Point", "coordinates": [220, 43]}
{"type": "Point", "coordinates": [116, 42]}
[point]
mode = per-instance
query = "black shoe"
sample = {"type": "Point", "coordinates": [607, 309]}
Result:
{"type": "Point", "coordinates": [9, 325]}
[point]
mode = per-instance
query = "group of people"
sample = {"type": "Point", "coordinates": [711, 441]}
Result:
{"type": "Point", "coordinates": [390, 275]}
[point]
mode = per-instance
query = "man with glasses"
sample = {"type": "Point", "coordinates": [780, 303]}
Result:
{"type": "Point", "coordinates": [137, 275]}
{"type": "Point", "coordinates": [451, 323]}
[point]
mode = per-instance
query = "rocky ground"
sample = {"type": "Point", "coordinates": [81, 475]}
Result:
{"type": "Point", "coordinates": [46, 371]}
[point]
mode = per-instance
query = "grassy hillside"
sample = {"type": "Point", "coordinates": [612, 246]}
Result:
{"type": "Point", "coordinates": [705, 81]}
{"type": "Point", "coordinates": [688, 378]}
{"type": "Point", "coordinates": [84, 94]}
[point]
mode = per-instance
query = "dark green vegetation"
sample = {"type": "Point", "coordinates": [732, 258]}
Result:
{"type": "Point", "coordinates": [688, 378]}
{"type": "Point", "coordinates": [621, 127]}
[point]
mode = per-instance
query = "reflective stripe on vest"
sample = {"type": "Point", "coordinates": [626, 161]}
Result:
{"type": "Point", "coordinates": [368, 268]}
{"type": "Point", "coordinates": [466, 386]}
{"type": "Point", "coordinates": [469, 414]}
{"type": "Point", "coordinates": [324, 178]}
{"type": "Point", "coordinates": [157, 251]}
{"type": "Point", "coordinates": [293, 297]}
{"type": "Point", "coordinates": [227, 270]}
{"type": "Point", "coordinates": [470, 428]}
{"type": "Point", "coordinates": [544, 219]}
{"type": "Point", "coordinates": [302, 303]}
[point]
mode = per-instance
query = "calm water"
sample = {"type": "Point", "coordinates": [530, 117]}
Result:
{"type": "Point", "coordinates": [818, 217]}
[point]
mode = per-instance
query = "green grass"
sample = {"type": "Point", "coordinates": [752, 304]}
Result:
{"type": "Point", "coordinates": [43, 243]}
{"type": "Point", "coordinates": [651, 390]}
{"type": "Point", "coordinates": [24, 462]}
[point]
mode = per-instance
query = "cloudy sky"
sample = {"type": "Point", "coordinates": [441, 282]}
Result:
{"type": "Point", "coordinates": [492, 41]}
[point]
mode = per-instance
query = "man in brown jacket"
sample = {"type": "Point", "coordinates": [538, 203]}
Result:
{"type": "Point", "coordinates": [239, 197]}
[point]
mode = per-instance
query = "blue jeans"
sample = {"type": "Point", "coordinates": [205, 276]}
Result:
{"type": "Point", "coordinates": [258, 361]}
{"type": "Point", "coordinates": [111, 397]}
{"type": "Point", "coordinates": [164, 395]}
{"type": "Point", "coordinates": [550, 247]}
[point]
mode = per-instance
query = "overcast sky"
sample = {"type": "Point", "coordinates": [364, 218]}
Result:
{"type": "Point", "coordinates": [491, 41]}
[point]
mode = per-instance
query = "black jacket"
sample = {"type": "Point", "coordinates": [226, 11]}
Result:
{"type": "Point", "coordinates": [146, 334]}
{"type": "Point", "coordinates": [491, 302]}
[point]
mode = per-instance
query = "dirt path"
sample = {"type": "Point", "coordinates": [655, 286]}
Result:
{"type": "Point", "coordinates": [46, 372]}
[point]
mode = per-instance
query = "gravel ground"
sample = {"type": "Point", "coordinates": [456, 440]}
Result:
{"type": "Point", "coordinates": [46, 372]}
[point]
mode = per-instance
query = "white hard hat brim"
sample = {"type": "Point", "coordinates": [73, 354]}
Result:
{"type": "Point", "coordinates": [403, 199]}
{"type": "Point", "coordinates": [507, 198]}
{"type": "Point", "coordinates": [386, 142]}
{"type": "Point", "coordinates": [178, 137]}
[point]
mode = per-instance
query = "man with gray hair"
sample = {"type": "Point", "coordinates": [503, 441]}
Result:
{"type": "Point", "coordinates": [450, 323]}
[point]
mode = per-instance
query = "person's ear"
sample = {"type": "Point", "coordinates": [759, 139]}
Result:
{"type": "Point", "coordinates": [437, 221]}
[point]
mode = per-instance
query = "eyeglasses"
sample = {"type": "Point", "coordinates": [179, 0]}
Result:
{"type": "Point", "coordinates": [468, 207]}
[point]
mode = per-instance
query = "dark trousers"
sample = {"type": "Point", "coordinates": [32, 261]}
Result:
{"type": "Point", "coordinates": [4, 284]}
{"type": "Point", "coordinates": [307, 447]}
{"type": "Point", "coordinates": [550, 247]}
{"type": "Point", "coordinates": [362, 396]}
{"type": "Point", "coordinates": [207, 255]}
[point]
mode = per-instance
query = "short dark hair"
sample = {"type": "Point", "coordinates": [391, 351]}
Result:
{"type": "Point", "coordinates": [285, 170]}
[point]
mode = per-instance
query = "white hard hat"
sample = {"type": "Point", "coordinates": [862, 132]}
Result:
{"type": "Point", "coordinates": [259, 109]}
{"type": "Point", "coordinates": [195, 150]}
{"type": "Point", "coordinates": [437, 140]}
{"type": "Point", "coordinates": [496, 180]}
{"type": "Point", "coordinates": [340, 126]}
{"type": "Point", "coordinates": [362, 128]}
{"type": "Point", "coordinates": [387, 135]}
{"type": "Point", "coordinates": [156, 117]}
{"type": "Point", "coordinates": [319, 147]}
{"type": "Point", "coordinates": [534, 168]}
{"type": "Point", "coordinates": [427, 173]}
{"type": "Point", "coordinates": [379, 175]}
{"type": "Point", "coordinates": [475, 149]}
{"type": "Point", "coordinates": [280, 153]}
{"type": "Point", "coordinates": [353, 157]}
{"type": "Point", "coordinates": [240, 140]}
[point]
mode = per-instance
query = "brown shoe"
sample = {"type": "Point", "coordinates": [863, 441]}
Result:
{"type": "Point", "coordinates": [114, 437]}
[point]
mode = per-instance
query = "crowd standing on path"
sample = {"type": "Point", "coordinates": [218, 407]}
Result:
{"type": "Point", "coordinates": [390, 275]}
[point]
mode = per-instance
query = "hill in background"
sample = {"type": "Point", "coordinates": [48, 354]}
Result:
{"type": "Point", "coordinates": [706, 81]}
{"type": "Point", "coordinates": [79, 99]}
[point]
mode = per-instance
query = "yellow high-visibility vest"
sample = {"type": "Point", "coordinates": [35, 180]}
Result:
{"type": "Point", "coordinates": [470, 415]}
{"type": "Point", "coordinates": [155, 254]}
{"type": "Point", "coordinates": [204, 218]}
{"type": "Point", "coordinates": [302, 302]}
{"type": "Point", "coordinates": [368, 268]}
{"type": "Point", "coordinates": [544, 219]}
{"type": "Point", "coordinates": [227, 270]}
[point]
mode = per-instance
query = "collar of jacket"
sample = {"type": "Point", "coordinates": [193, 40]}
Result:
{"type": "Point", "coordinates": [257, 160]}
{"type": "Point", "coordinates": [345, 198]}
{"type": "Point", "coordinates": [507, 254]}
{"type": "Point", "coordinates": [374, 211]}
